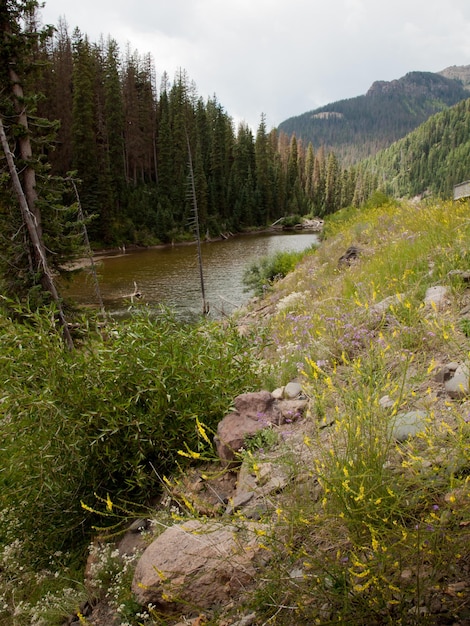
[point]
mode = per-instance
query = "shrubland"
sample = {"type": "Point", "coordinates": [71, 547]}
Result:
{"type": "Point", "coordinates": [372, 531]}
{"type": "Point", "coordinates": [102, 423]}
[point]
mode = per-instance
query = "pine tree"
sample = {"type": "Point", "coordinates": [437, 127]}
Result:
{"type": "Point", "coordinates": [28, 238]}
{"type": "Point", "coordinates": [263, 192]}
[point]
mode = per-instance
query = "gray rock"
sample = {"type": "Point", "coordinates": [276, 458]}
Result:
{"type": "Point", "coordinates": [464, 275]}
{"type": "Point", "coordinates": [437, 297]}
{"type": "Point", "coordinates": [278, 394]}
{"type": "Point", "coordinates": [386, 402]}
{"type": "Point", "coordinates": [445, 372]}
{"type": "Point", "coordinates": [381, 307]}
{"type": "Point", "coordinates": [408, 425]}
{"type": "Point", "coordinates": [239, 501]}
{"type": "Point", "coordinates": [458, 386]}
{"type": "Point", "coordinates": [292, 390]}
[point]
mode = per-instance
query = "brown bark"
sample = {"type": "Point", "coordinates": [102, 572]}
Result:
{"type": "Point", "coordinates": [34, 232]}
{"type": "Point", "coordinates": [25, 150]}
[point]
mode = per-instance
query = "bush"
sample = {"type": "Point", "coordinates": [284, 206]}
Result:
{"type": "Point", "coordinates": [108, 418]}
{"type": "Point", "coordinates": [260, 275]}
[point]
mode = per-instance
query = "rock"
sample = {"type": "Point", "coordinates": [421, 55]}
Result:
{"type": "Point", "coordinates": [409, 424]}
{"type": "Point", "coordinates": [464, 275]}
{"type": "Point", "coordinates": [349, 256]}
{"type": "Point", "coordinates": [278, 394]}
{"type": "Point", "coordinates": [198, 564]}
{"type": "Point", "coordinates": [291, 410]}
{"type": "Point", "coordinates": [239, 501]}
{"type": "Point", "coordinates": [386, 402]}
{"type": "Point", "coordinates": [436, 297]}
{"type": "Point", "coordinates": [254, 411]}
{"type": "Point", "coordinates": [292, 390]}
{"type": "Point", "coordinates": [139, 525]}
{"type": "Point", "coordinates": [232, 432]}
{"type": "Point", "coordinates": [458, 386]}
{"type": "Point", "coordinates": [247, 620]}
{"type": "Point", "coordinates": [445, 372]}
{"type": "Point", "coordinates": [381, 307]}
{"type": "Point", "coordinates": [257, 405]}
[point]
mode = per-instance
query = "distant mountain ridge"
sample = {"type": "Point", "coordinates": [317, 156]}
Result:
{"type": "Point", "coordinates": [360, 127]}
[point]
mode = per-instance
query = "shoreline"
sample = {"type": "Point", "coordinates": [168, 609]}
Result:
{"type": "Point", "coordinates": [310, 226]}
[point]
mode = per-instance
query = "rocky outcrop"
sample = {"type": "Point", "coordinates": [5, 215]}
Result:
{"type": "Point", "coordinates": [253, 412]}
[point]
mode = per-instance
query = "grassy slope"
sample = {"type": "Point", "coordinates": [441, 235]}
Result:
{"type": "Point", "coordinates": [371, 532]}
{"type": "Point", "coordinates": [383, 537]}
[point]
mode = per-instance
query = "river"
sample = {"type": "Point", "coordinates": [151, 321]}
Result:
{"type": "Point", "coordinates": [170, 275]}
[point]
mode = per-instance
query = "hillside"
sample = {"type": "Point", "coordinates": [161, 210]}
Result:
{"type": "Point", "coordinates": [366, 523]}
{"type": "Point", "coordinates": [428, 161]}
{"type": "Point", "coordinates": [359, 127]}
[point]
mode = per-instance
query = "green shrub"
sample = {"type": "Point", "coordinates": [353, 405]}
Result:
{"type": "Point", "coordinates": [260, 275]}
{"type": "Point", "coordinates": [108, 418]}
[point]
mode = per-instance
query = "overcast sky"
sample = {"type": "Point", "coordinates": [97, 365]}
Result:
{"type": "Point", "coordinates": [279, 57]}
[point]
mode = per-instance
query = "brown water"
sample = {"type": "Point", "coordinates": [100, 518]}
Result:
{"type": "Point", "coordinates": [170, 275]}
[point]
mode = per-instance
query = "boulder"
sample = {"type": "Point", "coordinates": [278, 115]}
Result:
{"type": "Point", "coordinates": [254, 411]}
{"type": "Point", "coordinates": [259, 406]}
{"type": "Point", "coordinates": [458, 386]}
{"type": "Point", "coordinates": [197, 564]}
{"type": "Point", "coordinates": [437, 297]}
{"type": "Point", "coordinates": [409, 424]}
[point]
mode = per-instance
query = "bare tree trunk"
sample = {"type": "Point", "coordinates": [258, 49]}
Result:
{"type": "Point", "coordinates": [35, 233]}
{"type": "Point", "coordinates": [25, 150]}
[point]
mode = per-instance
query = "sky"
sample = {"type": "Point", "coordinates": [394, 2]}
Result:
{"type": "Point", "coordinates": [279, 58]}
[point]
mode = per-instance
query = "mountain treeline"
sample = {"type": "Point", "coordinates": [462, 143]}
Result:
{"type": "Point", "coordinates": [126, 140]}
{"type": "Point", "coordinates": [359, 127]}
{"type": "Point", "coordinates": [428, 161]}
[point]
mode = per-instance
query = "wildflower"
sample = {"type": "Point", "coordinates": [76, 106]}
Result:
{"type": "Point", "coordinates": [109, 504]}
{"type": "Point", "coordinates": [86, 507]}
{"type": "Point", "coordinates": [201, 431]}
{"type": "Point", "coordinates": [191, 454]}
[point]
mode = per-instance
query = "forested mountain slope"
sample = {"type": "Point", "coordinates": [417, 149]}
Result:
{"type": "Point", "coordinates": [429, 160]}
{"type": "Point", "coordinates": [359, 127]}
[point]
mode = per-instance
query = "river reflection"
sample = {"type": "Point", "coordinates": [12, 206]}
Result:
{"type": "Point", "coordinates": [170, 275]}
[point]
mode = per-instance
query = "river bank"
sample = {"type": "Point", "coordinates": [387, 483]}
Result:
{"type": "Point", "coordinates": [314, 225]}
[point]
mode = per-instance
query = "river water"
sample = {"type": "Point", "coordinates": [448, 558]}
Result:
{"type": "Point", "coordinates": [170, 275]}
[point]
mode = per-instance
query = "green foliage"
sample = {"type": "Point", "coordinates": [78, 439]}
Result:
{"type": "Point", "coordinates": [430, 160]}
{"type": "Point", "coordinates": [260, 275]}
{"type": "Point", "coordinates": [264, 440]}
{"type": "Point", "coordinates": [109, 418]}
{"type": "Point", "coordinates": [291, 220]}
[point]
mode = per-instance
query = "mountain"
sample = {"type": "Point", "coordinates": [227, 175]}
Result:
{"type": "Point", "coordinates": [458, 72]}
{"type": "Point", "coordinates": [359, 127]}
{"type": "Point", "coordinates": [428, 161]}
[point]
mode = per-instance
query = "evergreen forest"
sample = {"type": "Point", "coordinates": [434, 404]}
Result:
{"type": "Point", "coordinates": [359, 127]}
{"type": "Point", "coordinates": [124, 140]}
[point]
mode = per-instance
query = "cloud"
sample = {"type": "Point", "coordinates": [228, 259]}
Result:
{"type": "Point", "coordinates": [281, 57]}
